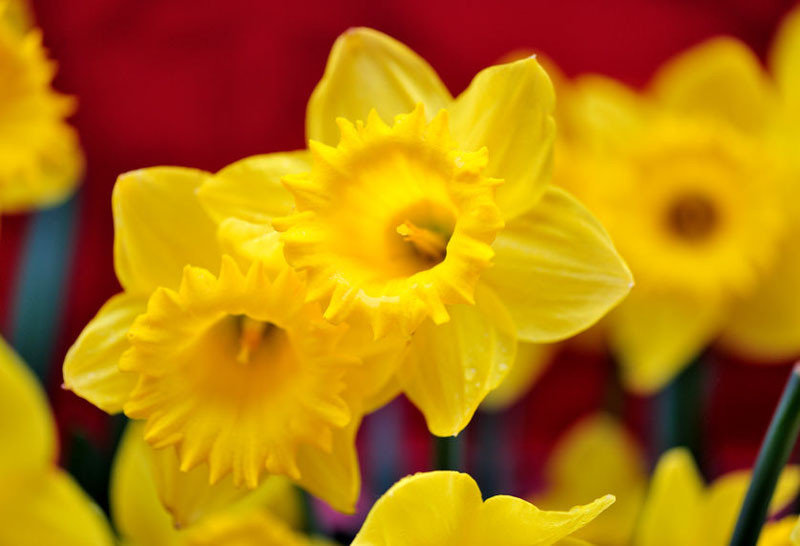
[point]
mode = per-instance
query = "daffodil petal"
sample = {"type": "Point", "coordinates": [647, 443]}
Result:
{"type": "Point", "coordinates": [509, 108]}
{"type": "Point", "coordinates": [556, 269]}
{"type": "Point", "coordinates": [253, 527]}
{"type": "Point", "coordinates": [779, 533]}
{"type": "Point", "coordinates": [334, 477]}
{"type": "Point", "coordinates": [53, 510]}
{"type": "Point", "coordinates": [672, 512]}
{"type": "Point", "coordinates": [453, 366]}
{"type": "Point", "coordinates": [159, 227]}
{"type": "Point", "coordinates": [427, 508]}
{"type": "Point", "coordinates": [367, 69]}
{"type": "Point", "coordinates": [90, 367]}
{"type": "Point", "coordinates": [721, 78]}
{"type": "Point", "coordinates": [27, 431]}
{"type": "Point", "coordinates": [522, 524]}
{"type": "Point", "coordinates": [766, 326]}
{"type": "Point", "coordinates": [654, 336]}
{"type": "Point", "coordinates": [251, 188]}
{"type": "Point", "coordinates": [531, 361]}
{"type": "Point", "coordinates": [598, 456]}
{"type": "Point", "coordinates": [785, 58]}
{"type": "Point", "coordinates": [725, 497]}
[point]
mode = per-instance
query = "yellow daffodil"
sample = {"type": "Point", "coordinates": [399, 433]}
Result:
{"type": "Point", "coordinates": [429, 218]}
{"type": "Point", "coordinates": [446, 508]}
{"type": "Point", "coordinates": [675, 508]}
{"type": "Point", "coordinates": [530, 362]}
{"type": "Point", "coordinates": [40, 158]}
{"type": "Point", "coordinates": [153, 502]}
{"type": "Point", "coordinates": [691, 189]}
{"type": "Point", "coordinates": [235, 370]}
{"type": "Point", "coordinates": [40, 504]}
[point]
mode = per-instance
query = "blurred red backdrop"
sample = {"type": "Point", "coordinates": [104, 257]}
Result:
{"type": "Point", "coordinates": [203, 83]}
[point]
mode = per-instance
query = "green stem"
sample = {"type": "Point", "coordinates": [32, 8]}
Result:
{"type": "Point", "coordinates": [775, 450]}
{"type": "Point", "coordinates": [679, 407]}
{"type": "Point", "coordinates": [448, 453]}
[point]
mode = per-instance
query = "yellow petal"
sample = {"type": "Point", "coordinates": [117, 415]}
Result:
{"type": "Point", "coordinates": [531, 360]}
{"type": "Point", "coordinates": [245, 528]}
{"type": "Point", "coordinates": [251, 189]}
{"type": "Point", "coordinates": [556, 269]}
{"type": "Point", "coordinates": [785, 58]}
{"type": "Point", "coordinates": [779, 533]}
{"type": "Point", "coordinates": [654, 336]}
{"type": "Point", "coordinates": [25, 421]}
{"type": "Point", "coordinates": [522, 524]}
{"type": "Point", "coordinates": [726, 495]}
{"type": "Point", "coordinates": [721, 78]}
{"type": "Point", "coordinates": [90, 367]}
{"type": "Point", "coordinates": [672, 513]}
{"type": "Point", "coordinates": [334, 477]}
{"type": "Point", "coordinates": [509, 109]}
{"type": "Point", "coordinates": [138, 514]}
{"type": "Point", "coordinates": [428, 508]}
{"type": "Point", "coordinates": [598, 456]}
{"type": "Point", "coordinates": [766, 326]}
{"type": "Point", "coordinates": [453, 366]}
{"type": "Point", "coordinates": [159, 227]}
{"type": "Point", "coordinates": [52, 510]}
{"type": "Point", "coordinates": [367, 69]}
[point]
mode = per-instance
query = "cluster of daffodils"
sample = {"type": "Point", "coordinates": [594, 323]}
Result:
{"type": "Point", "coordinates": [40, 159]}
{"type": "Point", "coordinates": [268, 307]}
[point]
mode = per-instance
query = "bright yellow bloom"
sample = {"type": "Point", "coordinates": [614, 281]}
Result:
{"type": "Point", "coordinates": [446, 509]}
{"type": "Point", "coordinates": [154, 503]}
{"type": "Point", "coordinates": [40, 504]}
{"type": "Point", "coordinates": [677, 507]}
{"type": "Point", "coordinates": [40, 158]}
{"type": "Point", "coordinates": [691, 189]}
{"type": "Point", "coordinates": [417, 213]}
{"type": "Point", "coordinates": [235, 370]}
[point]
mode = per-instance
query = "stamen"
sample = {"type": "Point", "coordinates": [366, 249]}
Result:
{"type": "Point", "coordinates": [430, 244]}
{"type": "Point", "coordinates": [250, 336]}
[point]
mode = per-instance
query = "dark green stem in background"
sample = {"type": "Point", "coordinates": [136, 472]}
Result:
{"type": "Point", "coordinates": [448, 454]}
{"type": "Point", "coordinates": [775, 450]}
{"type": "Point", "coordinates": [679, 408]}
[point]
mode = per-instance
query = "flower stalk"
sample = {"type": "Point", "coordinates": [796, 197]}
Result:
{"type": "Point", "coordinates": [775, 450]}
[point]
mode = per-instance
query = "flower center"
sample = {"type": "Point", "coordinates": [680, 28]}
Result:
{"type": "Point", "coordinates": [429, 244]}
{"type": "Point", "coordinates": [252, 335]}
{"type": "Point", "coordinates": [692, 217]}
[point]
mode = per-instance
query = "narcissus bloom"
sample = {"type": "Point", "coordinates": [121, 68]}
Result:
{"type": "Point", "coordinates": [446, 509]}
{"type": "Point", "coordinates": [153, 502]}
{"type": "Point", "coordinates": [430, 218]}
{"type": "Point", "coordinates": [40, 158]}
{"type": "Point", "coordinates": [234, 369]}
{"type": "Point", "coordinates": [40, 504]}
{"type": "Point", "coordinates": [676, 507]}
{"type": "Point", "coordinates": [691, 188]}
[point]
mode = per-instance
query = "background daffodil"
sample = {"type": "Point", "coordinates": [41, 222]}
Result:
{"type": "Point", "coordinates": [235, 370]}
{"type": "Point", "coordinates": [40, 504]}
{"type": "Point", "coordinates": [689, 184]}
{"type": "Point", "coordinates": [446, 508]}
{"type": "Point", "coordinates": [40, 157]}
{"type": "Point", "coordinates": [673, 506]}
{"type": "Point", "coordinates": [418, 213]}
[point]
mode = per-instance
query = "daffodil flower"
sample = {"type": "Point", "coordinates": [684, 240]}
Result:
{"type": "Point", "coordinates": [39, 502]}
{"type": "Point", "coordinates": [446, 509]}
{"type": "Point", "coordinates": [234, 369]}
{"type": "Point", "coordinates": [674, 506]}
{"type": "Point", "coordinates": [154, 502]}
{"type": "Point", "coordinates": [692, 188]}
{"type": "Point", "coordinates": [40, 158]}
{"type": "Point", "coordinates": [429, 218]}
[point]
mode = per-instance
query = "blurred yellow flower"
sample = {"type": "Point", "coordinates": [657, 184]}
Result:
{"type": "Point", "coordinates": [446, 509]}
{"type": "Point", "coordinates": [676, 507]}
{"type": "Point", "coordinates": [692, 191]}
{"type": "Point", "coordinates": [153, 502]}
{"type": "Point", "coordinates": [40, 504]}
{"type": "Point", "coordinates": [235, 370]}
{"type": "Point", "coordinates": [40, 158]}
{"type": "Point", "coordinates": [417, 213]}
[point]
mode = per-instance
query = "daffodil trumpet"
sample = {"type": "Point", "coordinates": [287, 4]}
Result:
{"type": "Point", "coordinates": [772, 457]}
